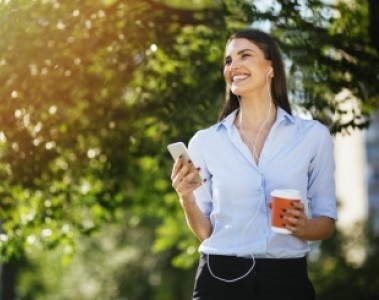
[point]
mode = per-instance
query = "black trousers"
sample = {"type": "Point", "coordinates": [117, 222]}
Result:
{"type": "Point", "coordinates": [271, 279]}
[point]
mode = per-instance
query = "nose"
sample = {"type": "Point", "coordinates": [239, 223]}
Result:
{"type": "Point", "coordinates": [233, 65]}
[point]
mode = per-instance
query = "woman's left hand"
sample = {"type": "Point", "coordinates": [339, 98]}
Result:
{"type": "Point", "coordinates": [296, 219]}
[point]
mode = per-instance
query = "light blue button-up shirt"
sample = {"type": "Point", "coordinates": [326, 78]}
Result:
{"type": "Point", "coordinates": [297, 154]}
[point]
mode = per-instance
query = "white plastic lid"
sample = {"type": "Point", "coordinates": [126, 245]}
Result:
{"type": "Point", "coordinates": [286, 193]}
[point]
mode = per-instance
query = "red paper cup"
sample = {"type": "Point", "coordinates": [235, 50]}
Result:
{"type": "Point", "coordinates": [281, 200]}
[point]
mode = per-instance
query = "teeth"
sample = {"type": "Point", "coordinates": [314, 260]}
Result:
{"type": "Point", "coordinates": [239, 77]}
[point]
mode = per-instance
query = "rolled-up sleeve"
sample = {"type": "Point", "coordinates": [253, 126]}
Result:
{"type": "Point", "coordinates": [203, 193]}
{"type": "Point", "coordinates": [321, 188]}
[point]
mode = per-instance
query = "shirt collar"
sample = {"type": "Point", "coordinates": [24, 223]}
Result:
{"type": "Point", "coordinates": [281, 115]}
{"type": "Point", "coordinates": [227, 122]}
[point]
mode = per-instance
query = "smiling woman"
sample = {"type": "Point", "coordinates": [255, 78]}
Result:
{"type": "Point", "coordinates": [241, 257]}
{"type": "Point", "coordinates": [245, 66]}
{"type": "Point", "coordinates": [267, 51]}
{"type": "Point", "coordinates": [248, 72]}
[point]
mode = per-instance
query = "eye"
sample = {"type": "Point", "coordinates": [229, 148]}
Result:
{"type": "Point", "coordinates": [245, 55]}
{"type": "Point", "coordinates": [228, 61]}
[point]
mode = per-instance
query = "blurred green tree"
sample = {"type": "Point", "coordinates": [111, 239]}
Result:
{"type": "Point", "coordinates": [79, 125]}
{"type": "Point", "coordinates": [337, 275]}
{"type": "Point", "coordinates": [87, 95]}
{"type": "Point", "coordinates": [332, 55]}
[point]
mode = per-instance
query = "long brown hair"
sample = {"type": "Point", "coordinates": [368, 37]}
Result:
{"type": "Point", "coordinates": [271, 52]}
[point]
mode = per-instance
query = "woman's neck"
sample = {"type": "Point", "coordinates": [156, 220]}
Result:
{"type": "Point", "coordinates": [255, 113]}
{"type": "Point", "coordinates": [254, 122]}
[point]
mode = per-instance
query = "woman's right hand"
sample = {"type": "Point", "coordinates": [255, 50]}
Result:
{"type": "Point", "coordinates": [183, 177]}
{"type": "Point", "coordinates": [184, 182]}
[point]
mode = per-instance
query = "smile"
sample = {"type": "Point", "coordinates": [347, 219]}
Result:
{"type": "Point", "coordinates": [239, 78]}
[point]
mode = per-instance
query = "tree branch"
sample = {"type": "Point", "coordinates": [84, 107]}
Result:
{"type": "Point", "coordinates": [189, 16]}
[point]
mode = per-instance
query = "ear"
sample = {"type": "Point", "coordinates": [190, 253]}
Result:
{"type": "Point", "coordinates": [271, 72]}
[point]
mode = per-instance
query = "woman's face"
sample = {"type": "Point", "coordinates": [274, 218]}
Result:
{"type": "Point", "coordinates": [245, 68]}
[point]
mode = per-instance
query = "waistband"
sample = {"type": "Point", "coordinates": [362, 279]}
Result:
{"type": "Point", "coordinates": [261, 264]}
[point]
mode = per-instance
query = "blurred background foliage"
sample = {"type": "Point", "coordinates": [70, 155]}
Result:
{"type": "Point", "coordinates": [91, 93]}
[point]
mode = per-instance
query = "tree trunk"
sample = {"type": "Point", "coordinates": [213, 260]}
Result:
{"type": "Point", "coordinates": [374, 23]}
{"type": "Point", "coordinates": [8, 278]}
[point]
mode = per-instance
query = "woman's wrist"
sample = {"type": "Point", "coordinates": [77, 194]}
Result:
{"type": "Point", "coordinates": [187, 202]}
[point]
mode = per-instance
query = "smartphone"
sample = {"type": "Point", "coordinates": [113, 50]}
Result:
{"type": "Point", "coordinates": [179, 148]}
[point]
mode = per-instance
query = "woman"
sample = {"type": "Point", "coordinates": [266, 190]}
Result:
{"type": "Point", "coordinates": [257, 146]}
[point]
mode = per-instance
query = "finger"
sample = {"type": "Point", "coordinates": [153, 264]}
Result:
{"type": "Point", "coordinates": [178, 175]}
{"type": "Point", "coordinates": [295, 224]}
{"type": "Point", "coordinates": [292, 228]}
{"type": "Point", "coordinates": [178, 164]}
{"type": "Point", "coordinates": [185, 179]}
{"type": "Point", "coordinates": [186, 186]}
{"type": "Point", "coordinates": [180, 170]}
{"type": "Point", "coordinates": [292, 225]}
{"type": "Point", "coordinates": [292, 220]}
{"type": "Point", "coordinates": [194, 176]}
{"type": "Point", "coordinates": [297, 205]}
{"type": "Point", "coordinates": [188, 174]}
{"type": "Point", "coordinates": [295, 228]}
{"type": "Point", "coordinates": [293, 213]}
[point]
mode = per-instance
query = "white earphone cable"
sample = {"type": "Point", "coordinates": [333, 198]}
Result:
{"type": "Point", "coordinates": [259, 206]}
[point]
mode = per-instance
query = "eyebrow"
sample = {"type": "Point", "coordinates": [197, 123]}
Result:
{"type": "Point", "coordinates": [242, 51]}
